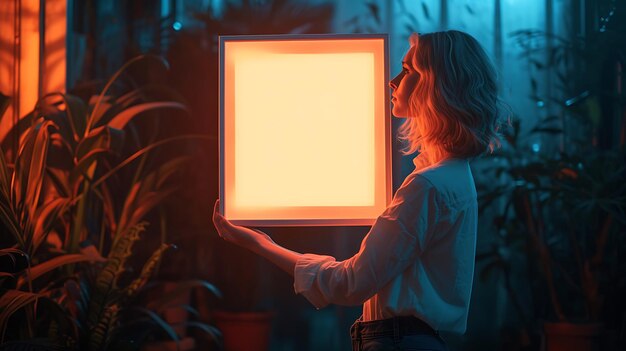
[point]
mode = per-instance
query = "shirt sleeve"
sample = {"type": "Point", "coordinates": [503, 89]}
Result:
{"type": "Point", "coordinates": [393, 242]}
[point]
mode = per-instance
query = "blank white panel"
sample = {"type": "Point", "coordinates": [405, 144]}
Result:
{"type": "Point", "coordinates": [304, 131]}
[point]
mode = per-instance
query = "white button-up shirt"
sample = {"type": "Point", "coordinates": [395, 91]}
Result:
{"type": "Point", "coordinates": [417, 259]}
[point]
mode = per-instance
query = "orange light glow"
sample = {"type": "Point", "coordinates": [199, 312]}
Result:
{"type": "Point", "coordinates": [55, 48]}
{"type": "Point", "coordinates": [7, 53]}
{"type": "Point", "coordinates": [304, 131]}
{"type": "Point", "coordinates": [29, 57]}
{"type": "Point", "coordinates": [20, 55]}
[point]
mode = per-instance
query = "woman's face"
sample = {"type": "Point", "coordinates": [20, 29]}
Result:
{"type": "Point", "coordinates": [403, 85]}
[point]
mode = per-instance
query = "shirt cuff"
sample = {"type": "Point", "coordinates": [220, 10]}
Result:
{"type": "Point", "coordinates": [305, 274]}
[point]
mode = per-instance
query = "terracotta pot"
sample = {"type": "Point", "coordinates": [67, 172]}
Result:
{"type": "Point", "coordinates": [245, 331]}
{"type": "Point", "coordinates": [175, 314]}
{"type": "Point", "coordinates": [572, 337]}
{"type": "Point", "coordinates": [185, 344]}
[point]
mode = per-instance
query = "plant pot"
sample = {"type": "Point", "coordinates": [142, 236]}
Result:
{"type": "Point", "coordinates": [184, 344]}
{"type": "Point", "coordinates": [175, 312]}
{"type": "Point", "coordinates": [244, 331]}
{"type": "Point", "coordinates": [572, 337]}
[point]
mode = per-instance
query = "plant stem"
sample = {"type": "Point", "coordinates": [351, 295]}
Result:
{"type": "Point", "coordinates": [544, 256]}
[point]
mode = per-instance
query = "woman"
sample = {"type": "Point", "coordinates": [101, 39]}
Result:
{"type": "Point", "coordinates": [414, 270]}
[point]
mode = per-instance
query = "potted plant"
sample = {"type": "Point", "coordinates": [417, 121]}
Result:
{"type": "Point", "coordinates": [74, 194]}
{"type": "Point", "coordinates": [561, 197]}
{"type": "Point", "coordinates": [565, 214]}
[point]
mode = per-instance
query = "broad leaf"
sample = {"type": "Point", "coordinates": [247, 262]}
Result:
{"type": "Point", "coordinates": [52, 264]}
{"type": "Point", "coordinates": [12, 301]}
{"type": "Point", "coordinates": [45, 218]}
{"type": "Point", "coordinates": [124, 117]}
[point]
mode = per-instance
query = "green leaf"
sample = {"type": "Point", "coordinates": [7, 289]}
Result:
{"type": "Point", "coordinates": [147, 193]}
{"type": "Point", "coordinates": [61, 153]}
{"type": "Point", "coordinates": [80, 172]}
{"type": "Point", "coordinates": [116, 75]}
{"type": "Point", "coordinates": [45, 217]}
{"type": "Point", "coordinates": [143, 94]}
{"type": "Point", "coordinates": [145, 150]}
{"type": "Point", "coordinates": [29, 168]}
{"type": "Point", "coordinates": [37, 167]}
{"type": "Point", "coordinates": [147, 270]}
{"type": "Point", "coordinates": [136, 208]}
{"type": "Point", "coordinates": [167, 169]}
{"type": "Point", "coordinates": [52, 264]}
{"type": "Point", "coordinates": [107, 104]}
{"type": "Point", "coordinates": [101, 333]}
{"type": "Point", "coordinates": [76, 111]}
{"type": "Point", "coordinates": [11, 251]}
{"type": "Point", "coordinates": [7, 213]}
{"type": "Point", "coordinates": [5, 179]}
{"type": "Point", "coordinates": [60, 179]}
{"type": "Point", "coordinates": [11, 221]}
{"type": "Point", "coordinates": [108, 207]}
{"type": "Point", "coordinates": [106, 281]}
{"type": "Point", "coordinates": [98, 138]}
{"type": "Point", "coordinates": [12, 301]}
{"type": "Point", "coordinates": [124, 117]}
{"type": "Point", "coordinates": [159, 322]}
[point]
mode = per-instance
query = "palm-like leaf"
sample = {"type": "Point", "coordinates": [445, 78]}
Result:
{"type": "Point", "coordinates": [12, 301]}
{"type": "Point", "coordinates": [64, 181]}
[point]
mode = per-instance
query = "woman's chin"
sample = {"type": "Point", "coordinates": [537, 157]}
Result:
{"type": "Point", "coordinates": [397, 114]}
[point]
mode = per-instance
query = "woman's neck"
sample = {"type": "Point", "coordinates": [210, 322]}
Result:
{"type": "Point", "coordinates": [435, 155]}
{"type": "Point", "coordinates": [429, 157]}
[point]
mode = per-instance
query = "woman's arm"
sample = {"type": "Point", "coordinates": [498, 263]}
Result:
{"type": "Point", "coordinates": [393, 242]}
{"type": "Point", "coordinates": [255, 241]}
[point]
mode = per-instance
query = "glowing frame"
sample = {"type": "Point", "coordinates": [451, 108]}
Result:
{"type": "Point", "coordinates": [361, 49]}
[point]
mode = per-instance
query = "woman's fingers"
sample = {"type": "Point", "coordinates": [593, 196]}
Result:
{"type": "Point", "coordinates": [218, 219]}
{"type": "Point", "coordinates": [233, 233]}
{"type": "Point", "coordinates": [224, 227]}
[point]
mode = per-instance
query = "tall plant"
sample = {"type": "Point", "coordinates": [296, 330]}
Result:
{"type": "Point", "coordinates": [563, 202]}
{"type": "Point", "coordinates": [73, 195]}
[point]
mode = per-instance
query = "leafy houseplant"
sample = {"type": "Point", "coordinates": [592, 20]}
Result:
{"type": "Point", "coordinates": [74, 193]}
{"type": "Point", "coordinates": [565, 206]}
{"type": "Point", "coordinates": [567, 210]}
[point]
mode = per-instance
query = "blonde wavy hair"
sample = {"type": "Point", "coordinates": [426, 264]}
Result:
{"type": "Point", "coordinates": [454, 108]}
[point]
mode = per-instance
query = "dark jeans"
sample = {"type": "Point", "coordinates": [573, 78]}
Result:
{"type": "Point", "coordinates": [398, 333]}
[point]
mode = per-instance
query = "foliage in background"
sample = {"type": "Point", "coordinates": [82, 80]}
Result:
{"type": "Point", "coordinates": [560, 209]}
{"type": "Point", "coordinates": [73, 195]}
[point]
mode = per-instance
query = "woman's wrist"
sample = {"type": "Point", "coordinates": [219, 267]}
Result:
{"type": "Point", "coordinates": [261, 241]}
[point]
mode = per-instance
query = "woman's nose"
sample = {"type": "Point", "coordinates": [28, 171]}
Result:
{"type": "Point", "coordinates": [393, 83]}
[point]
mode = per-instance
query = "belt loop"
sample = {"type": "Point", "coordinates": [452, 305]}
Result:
{"type": "Point", "coordinates": [396, 330]}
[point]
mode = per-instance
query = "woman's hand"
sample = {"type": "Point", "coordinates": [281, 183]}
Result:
{"type": "Point", "coordinates": [255, 241]}
{"type": "Point", "coordinates": [251, 239]}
